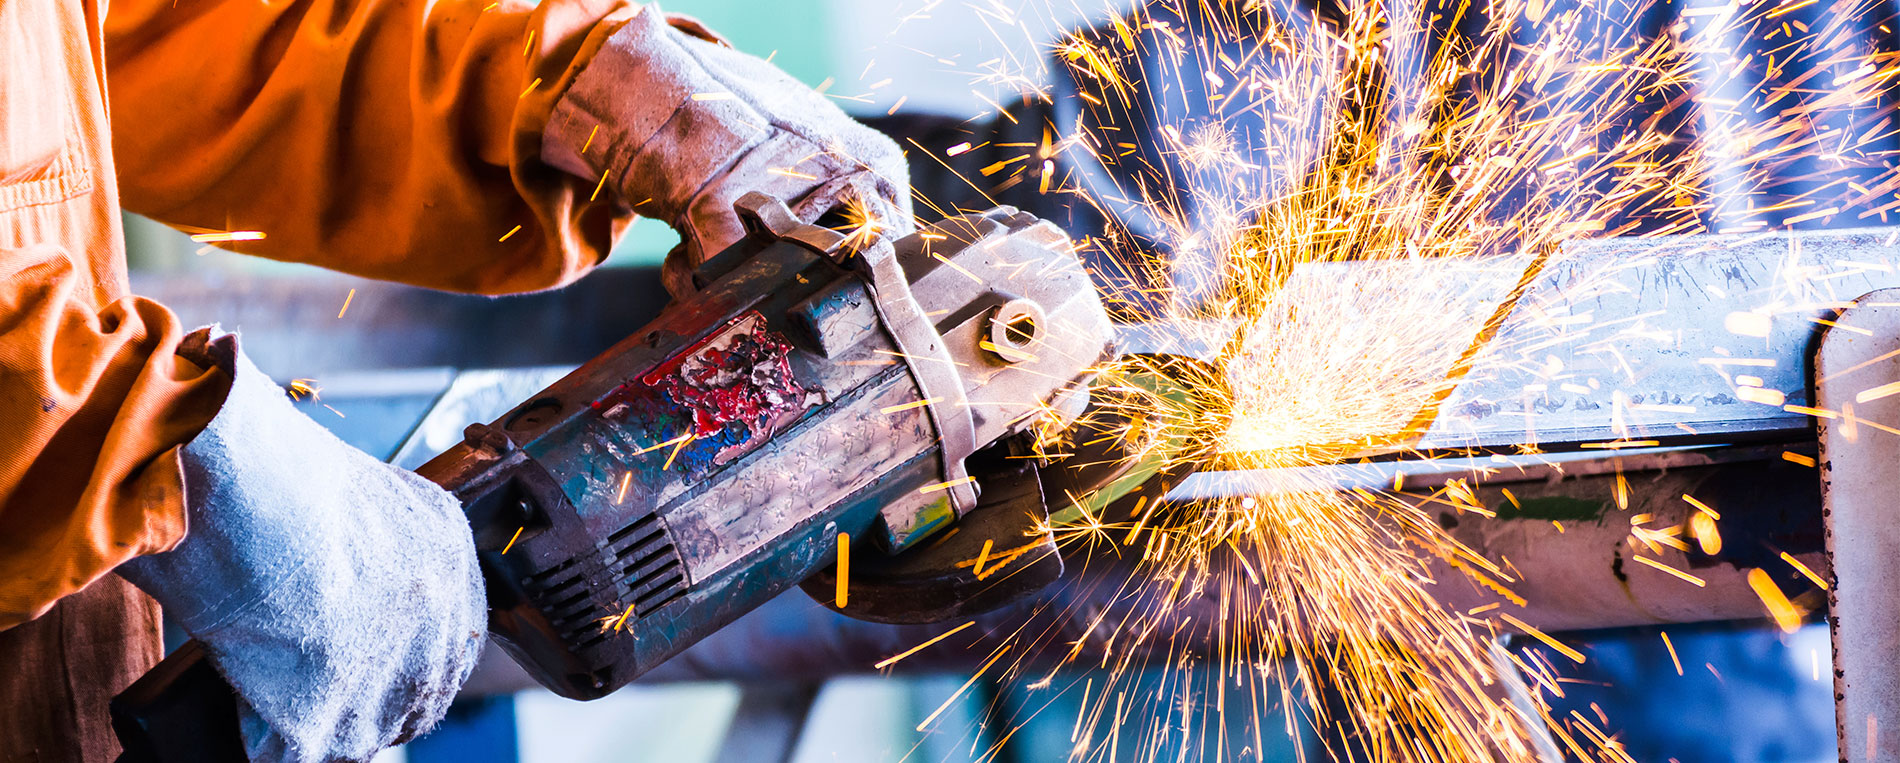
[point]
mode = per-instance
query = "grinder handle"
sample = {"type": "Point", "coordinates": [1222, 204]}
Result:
{"type": "Point", "coordinates": [181, 710]}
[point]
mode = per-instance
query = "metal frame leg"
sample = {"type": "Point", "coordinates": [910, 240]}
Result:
{"type": "Point", "coordinates": [768, 722]}
{"type": "Point", "coordinates": [1860, 487]}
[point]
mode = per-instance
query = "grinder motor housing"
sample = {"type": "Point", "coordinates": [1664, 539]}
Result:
{"type": "Point", "coordinates": [709, 462]}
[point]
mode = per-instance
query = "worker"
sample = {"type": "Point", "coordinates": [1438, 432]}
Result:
{"type": "Point", "coordinates": [465, 145]}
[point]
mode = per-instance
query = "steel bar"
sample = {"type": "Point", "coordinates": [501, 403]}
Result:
{"type": "Point", "coordinates": [767, 724]}
{"type": "Point", "coordinates": [1681, 338]}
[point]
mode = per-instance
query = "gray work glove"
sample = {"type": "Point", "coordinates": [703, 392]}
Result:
{"type": "Point", "coordinates": [682, 126]}
{"type": "Point", "coordinates": [339, 595]}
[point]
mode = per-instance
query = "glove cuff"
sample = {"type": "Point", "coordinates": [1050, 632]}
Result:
{"type": "Point", "coordinates": [198, 582]}
{"type": "Point", "coordinates": [647, 113]}
{"type": "Point", "coordinates": [339, 595]}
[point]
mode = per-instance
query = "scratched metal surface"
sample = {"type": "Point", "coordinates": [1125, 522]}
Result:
{"type": "Point", "coordinates": [795, 480]}
{"type": "Point", "coordinates": [1634, 339]}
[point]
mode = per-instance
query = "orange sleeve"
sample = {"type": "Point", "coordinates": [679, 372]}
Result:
{"type": "Point", "coordinates": [96, 402]}
{"type": "Point", "coordinates": [393, 139]}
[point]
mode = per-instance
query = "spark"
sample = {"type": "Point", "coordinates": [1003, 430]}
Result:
{"type": "Point", "coordinates": [1701, 507]}
{"type": "Point", "coordinates": [1447, 172]}
{"type": "Point", "coordinates": [1787, 616]}
{"type": "Point", "coordinates": [301, 388]}
{"type": "Point", "coordinates": [1702, 527]}
{"type": "Point", "coordinates": [910, 405]}
{"type": "Point", "coordinates": [599, 185]}
{"type": "Point", "coordinates": [1009, 353]}
{"type": "Point", "coordinates": [511, 541]}
{"type": "Point", "coordinates": [1873, 737]}
{"type": "Point", "coordinates": [1805, 410]}
{"type": "Point", "coordinates": [1560, 646]}
{"type": "Point", "coordinates": [1875, 393]}
{"type": "Point", "coordinates": [928, 489]}
{"type": "Point", "coordinates": [220, 237]}
{"type": "Point", "coordinates": [954, 266]}
{"type": "Point", "coordinates": [894, 659]}
{"type": "Point", "coordinates": [669, 443]}
{"type": "Point", "coordinates": [680, 443]}
{"type": "Point", "coordinates": [1693, 580]}
{"type": "Point", "coordinates": [1761, 395]}
{"type": "Point", "coordinates": [961, 689]}
{"type": "Point", "coordinates": [1803, 569]}
{"type": "Point", "coordinates": [346, 303]}
{"type": "Point", "coordinates": [843, 596]}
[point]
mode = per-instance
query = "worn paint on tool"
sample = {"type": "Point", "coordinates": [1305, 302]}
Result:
{"type": "Point", "coordinates": [732, 391]}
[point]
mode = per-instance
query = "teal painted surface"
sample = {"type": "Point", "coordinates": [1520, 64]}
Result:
{"type": "Point", "coordinates": [929, 520]}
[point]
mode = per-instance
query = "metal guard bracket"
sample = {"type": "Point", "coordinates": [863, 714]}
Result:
{"type": "Point", "coordinates": [917, 339]}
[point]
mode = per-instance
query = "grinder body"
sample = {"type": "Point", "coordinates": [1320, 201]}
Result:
{"type": "Point", "coordinates": [710, 461]}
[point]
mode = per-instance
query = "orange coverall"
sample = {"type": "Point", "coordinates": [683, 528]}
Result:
{"type": "Point", "coordinates": [394, 139]}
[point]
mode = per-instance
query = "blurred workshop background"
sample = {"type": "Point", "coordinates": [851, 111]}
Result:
{"type": "Point", "coordinates": [382, 355]}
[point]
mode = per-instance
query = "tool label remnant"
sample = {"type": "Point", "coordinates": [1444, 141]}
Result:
{"type": "Point", "coordinates": [731, 392]}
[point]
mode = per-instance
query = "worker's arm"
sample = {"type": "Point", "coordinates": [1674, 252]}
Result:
{"type": "Point", "coordinates": [385, 137]}
{"type": "Point", "coordinates": [410, 140]}
{"type": "Point", "coordinates": [395, 139]}
{"type": "Point", "coordinates": [403, 140]}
